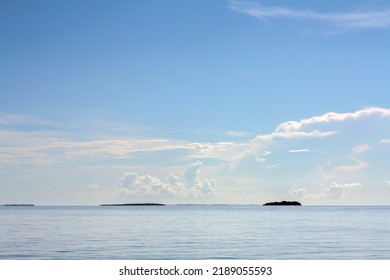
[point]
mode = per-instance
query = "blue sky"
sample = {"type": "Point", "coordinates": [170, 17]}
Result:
{"type": "Point", "coordinates": [194, 101]}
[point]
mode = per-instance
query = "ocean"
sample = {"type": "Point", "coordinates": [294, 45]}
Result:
{"type": "Point", "coordinates": [192, 232]}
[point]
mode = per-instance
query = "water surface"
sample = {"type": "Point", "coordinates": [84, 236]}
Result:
{"type": "Point", "coordinates": [195, 232]}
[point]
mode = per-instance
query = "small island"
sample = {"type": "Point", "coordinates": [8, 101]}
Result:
{"type": "Point", "coordinates": [24, 205]}
{"type": "Point", "coordinates": [283, 203]}
{"type": "Point", "coordinates": [134, 204]}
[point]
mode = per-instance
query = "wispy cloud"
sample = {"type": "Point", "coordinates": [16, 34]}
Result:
{"type": "Point", "coordinates": [273, 166]}
{"type": "Point", "coordinates": [38, 147]}
{"type": "Point", "coordinates": [347, 21]}
{"type": "Point", "coordinates": [299, 151]}
{"type": "Point", "coordinates": [7, 119]}
{"type": "Point", "coordinates": [359, 165]}
{"type": "Point", "coordinates": [237, 133]}
{"type": "Point", "coordinates": [294, 135]}
{"type": "Point", "coordinates": [18, 147]}
{"type": "Point", "coordinates": [384, 141]}
{"type": "Point", "coordinates": [360, 149]}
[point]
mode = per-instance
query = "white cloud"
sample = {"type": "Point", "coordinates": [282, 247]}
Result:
{"type": "Point", "coordinates": [291, 126]}
{"type": "Point", "coordinates": [174, 181]}
{"type": "Point", "coordinates": [218, 150]}
{"type": "Point", "coordinates": [360, 149]}
{"type": "Point", "coordinates": [208, 187]}
{"type": "Point", "coordinates": [336, 190]}
{"type": "Point", "coordinates": [194, 182]}
{"type": "Point", "coordinates": [299, 151]}
{"type": "Point", "coordinates": [293, 135]}
{"type": "Point", "coordinates": [260, 142]}
{"type": "Point", "coordinates": [304, 128]}
{"type": "Point", "coordinates": [297, 193]}
{"type": "Point", "coordinates": [148, 185]}
{"type": "Point", "coordinates": [42, 147]}
{"type": "Point", "coordinates": [30, 148]}
{"type": "Point", "coordinates": [342, 21]}
{"type": "Point", "coordinates": [192, 173]}
{"type": "Point", "coordinates": [387, 183]}
{"type": "Point", "coordinates": [384, 141]}
{"type": "Point", "coordinates": [173, 186]}
{"type": "Point", "coordinates": [352, 168]}
{"type": "Point", "coordinates": [273, 166]}
{"type": "Point", "coordinates": [359, 164]}
{"type": "Point", "coordinates": [237, 133]}
{"type": "Point", "coordinates": [117, 147]}
{"type": "Point", "coordinates": [260, 159]}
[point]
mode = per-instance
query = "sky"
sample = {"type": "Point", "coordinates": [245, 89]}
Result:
{"type": "Point", "coordinates": [173, 101]}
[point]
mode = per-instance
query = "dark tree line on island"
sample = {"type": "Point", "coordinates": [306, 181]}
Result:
{"type": "Point", "coordinates": [283, 203]}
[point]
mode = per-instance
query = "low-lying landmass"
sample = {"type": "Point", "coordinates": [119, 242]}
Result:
{"type": "Point", "coordinates": [134, 204]}
{"type": "Point", "coordinates": [283, 203]}
{"type": "Point", "coordinates": [18, 205]}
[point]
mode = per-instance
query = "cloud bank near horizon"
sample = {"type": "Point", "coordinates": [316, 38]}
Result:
{"type": "Point", "coordinates": [295, 148]}
{"type": "Point", "coordinates": [190, 185]}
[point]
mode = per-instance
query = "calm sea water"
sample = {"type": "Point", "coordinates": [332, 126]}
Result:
{"type": "Point", "coordinates": [195, 232]}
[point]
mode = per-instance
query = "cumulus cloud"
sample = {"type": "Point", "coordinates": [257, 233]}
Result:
{"type": "Point", "coordinates": [173, 186]}
{"type": "Point", "coordinates": [192, 173]}
{"type": "Point", "coordinates": [208, 187]}
{"type": "Point", "coordinates": [195, 183]}
{"type": "Point", "coordinates": [347, 21]}
{"type": "Point", "coordinates": [148, 185]}
{"type": "Point", "coordinates": [336, 190]}
{"type": "Point", "coordinates": [296, 192]}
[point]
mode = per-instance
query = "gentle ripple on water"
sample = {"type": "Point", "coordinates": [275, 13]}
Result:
{"type": "Point", "coordinates": [195, 232]}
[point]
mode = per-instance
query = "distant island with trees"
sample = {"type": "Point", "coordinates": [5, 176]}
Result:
{"type": "Point", "coordinates": [19, 205]}
{"type": "Point", "coordinates": [134, 204]}
{"type": "Point", "coordinates": [283, 203]}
